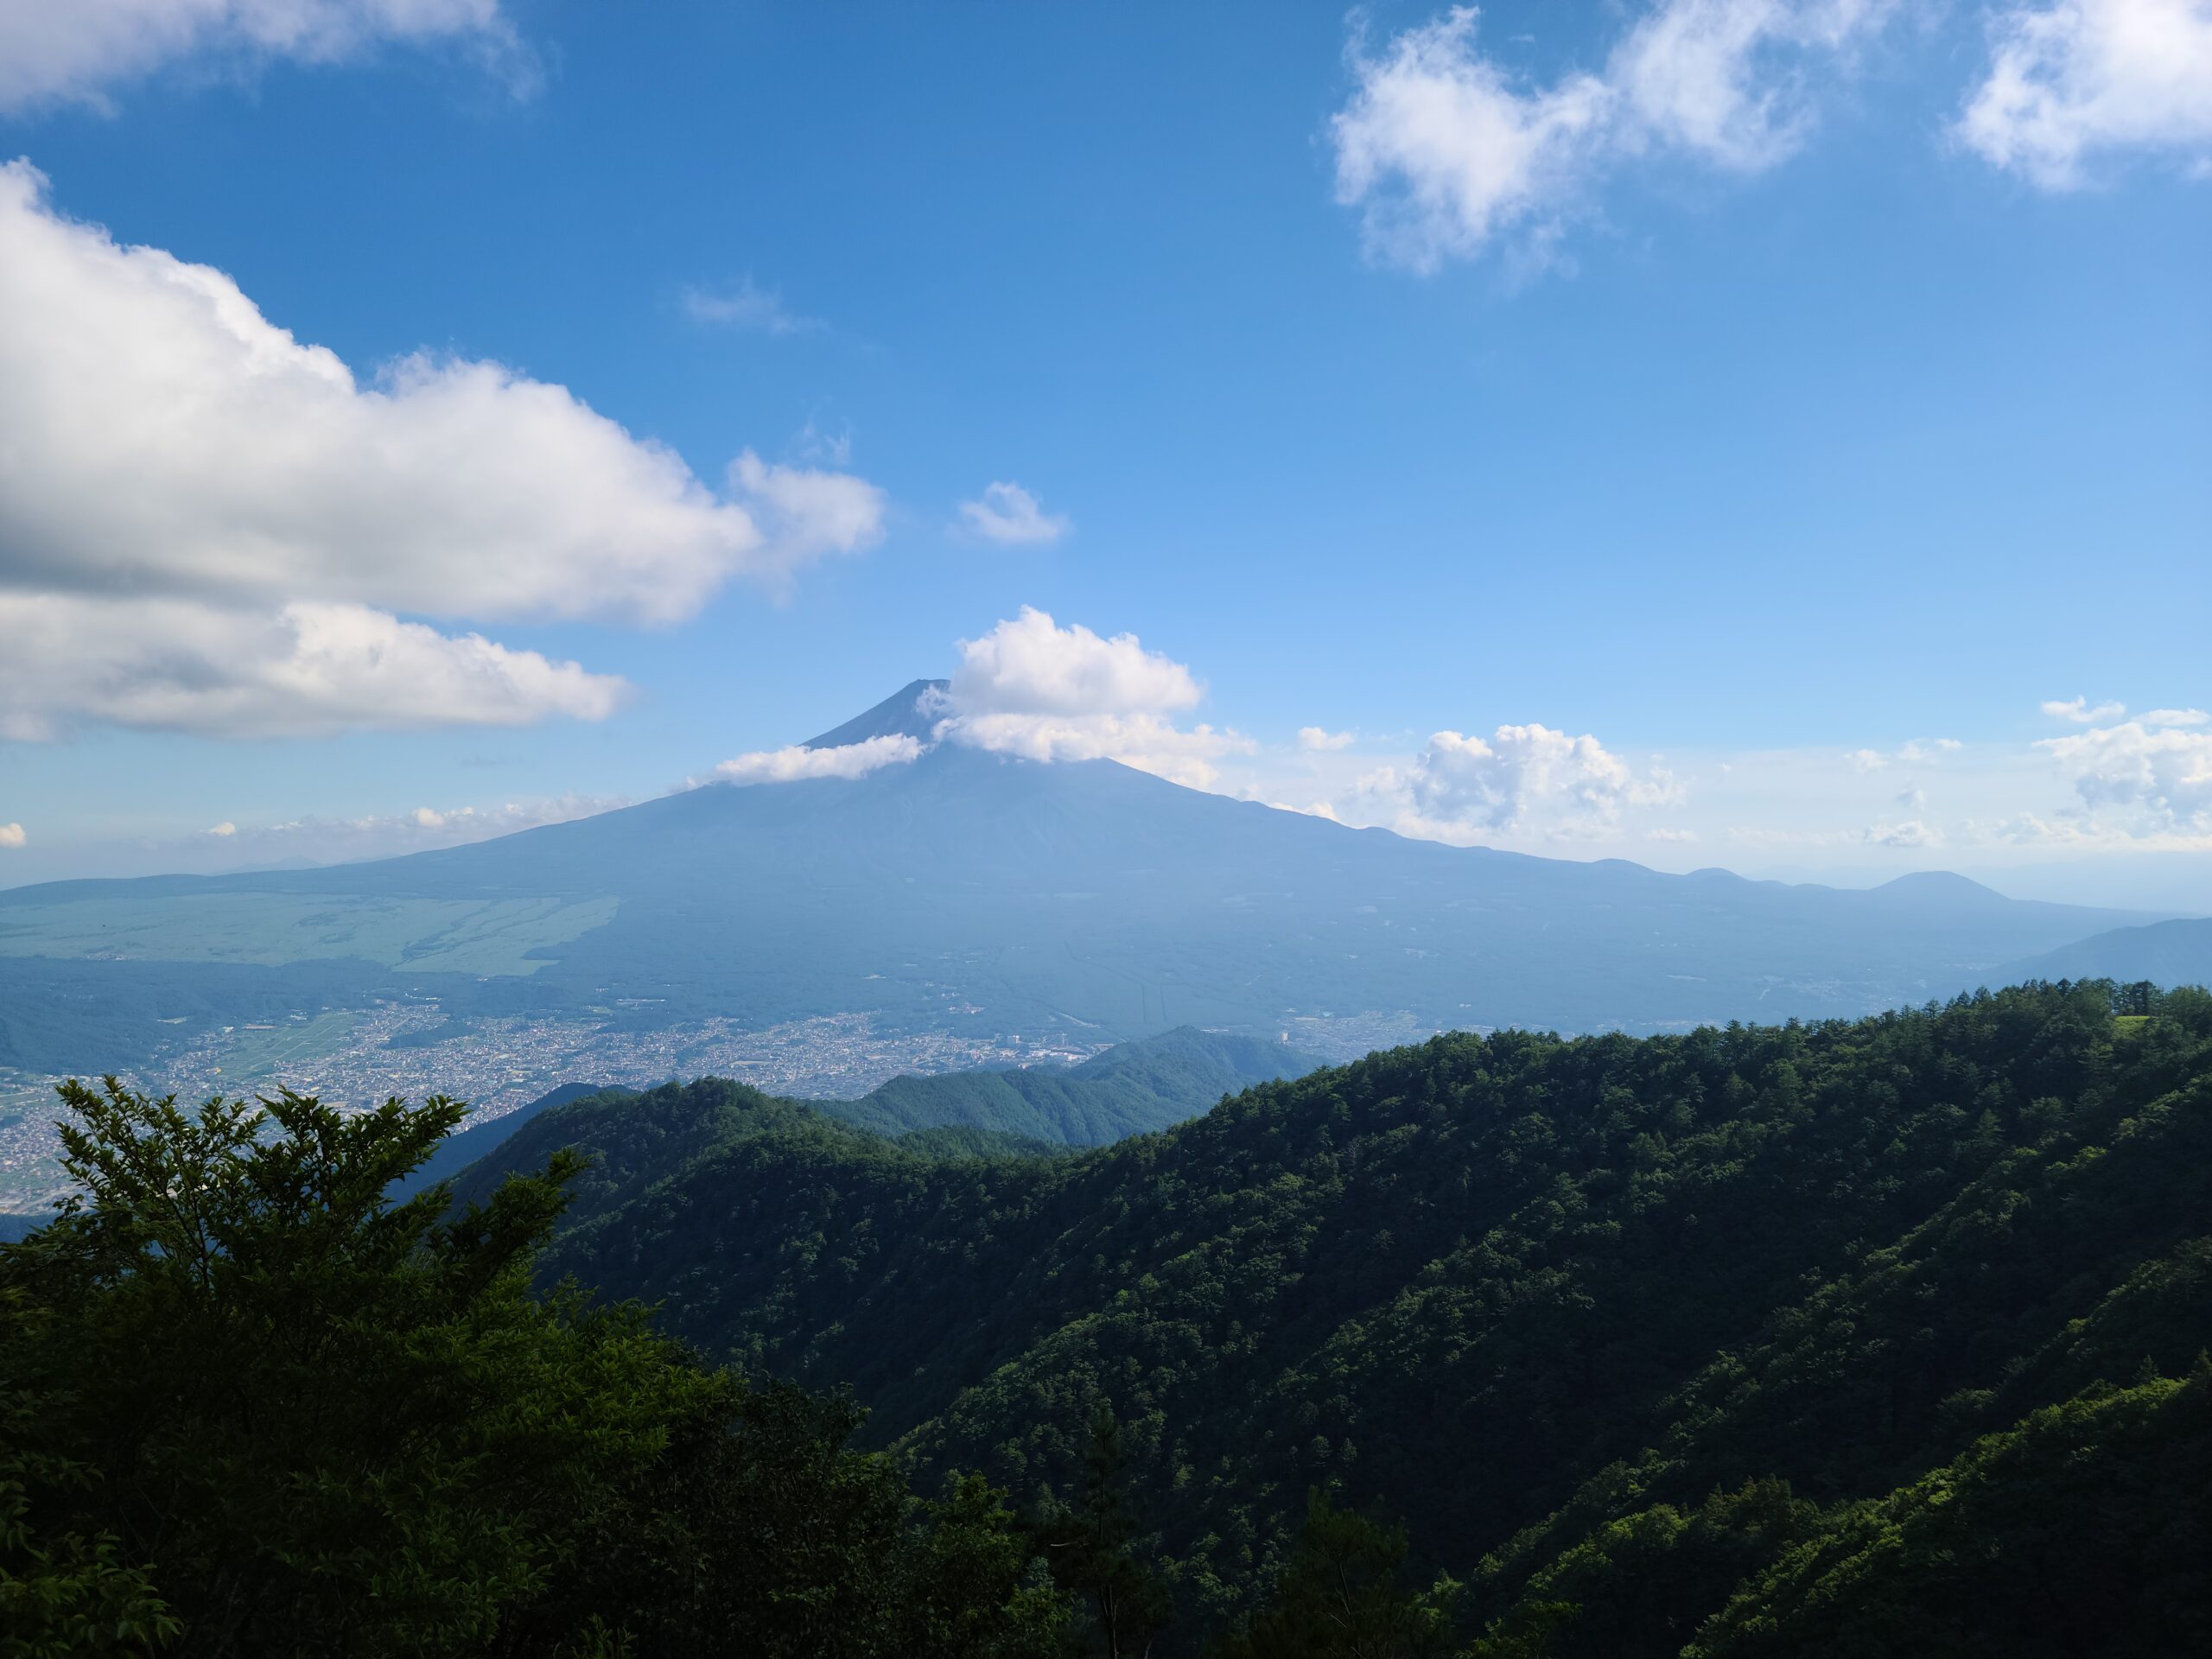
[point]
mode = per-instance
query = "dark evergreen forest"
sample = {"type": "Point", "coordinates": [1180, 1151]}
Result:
{"type": "Point", "coordinates": [1879, 1337]}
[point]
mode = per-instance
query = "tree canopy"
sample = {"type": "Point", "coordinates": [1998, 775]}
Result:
{"type": "Point", "coordinates": [252, 1406]}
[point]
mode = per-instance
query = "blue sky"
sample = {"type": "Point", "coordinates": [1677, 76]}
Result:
{"type": "Point", "coordinates": [1795, 436]}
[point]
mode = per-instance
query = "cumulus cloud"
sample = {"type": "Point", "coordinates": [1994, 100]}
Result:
{"type": "Point", "coordinates": [181, 480]}
{"type": "Point", "coordinates": [2176, 717]}
{"type": "Point", "coordinates": [806, 513]}
{"type": "Point", "coordinates": [12, 836]}
{"type": "Point", "coordinates": [1032, 665]}
{"type": "Point", "coordinates": [1315, 738]}
{"type": "Point", "coordinates": [791, 764]}
{"type": "Point", "coordinates": [2078, 710]}
{"type": "Point", "coordinates": [746, 306]}
{"type": "Point", "coordinates": [306, 670]}
{"type": "Point", "coordinates": [224, 830]}
{"type": "Point", "coordinates": [1867, 760]}
{"type": "Point", "coordinates": [1910, 833]}
{"type": "Point", "coordinates": [1034, 688]}
{"type": "Point", "coordinates": [1443, 150]}
{"type": "Point", "coordinates": [2071, 79]}
{"type": "Point", "coordinates": [1521, 779]}
{"type": "Point", "coordinates": [164, 436]}
{"type": "Point", "coordinates": [58, 51]}
{"type": "Point", "coordinates": [1440, 149]}
{"type": "Point", "coordinates": [2142, 779]}
{"type": "Point", "coordinates": [1009, 515]}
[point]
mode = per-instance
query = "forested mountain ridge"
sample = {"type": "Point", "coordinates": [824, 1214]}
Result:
{"type": "Point", "coordinates": [1131, 1089]}
{"type": "Point", "coordinates": [1650, 1341]}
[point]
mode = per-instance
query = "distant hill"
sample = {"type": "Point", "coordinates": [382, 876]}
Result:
{"type": "Point", "coordinates": [1131, 1089]}
{"type": "Point", "coordinates": [1758, 1341]}
{"type": "Point", "coordinates": [2168, 953]}
{"type": "Point", "coordinates": [985, 896]}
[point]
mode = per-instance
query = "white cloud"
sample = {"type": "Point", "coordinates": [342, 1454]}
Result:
{"type": "Point", "coordinates": [1031, 665]}
{"type": "Point", "coordinates": [12, 836]}
{"type": "Point", "coordinates": [224, 830]}
{"type": "Point", "coordinates": [54, 51]}
{"type": "Point", "coordinates": [199, 506]}
{"type": "Point", "coordinates": [1913, 800]}
{"type": "Point", "coordinates": [1315, 738]}
{"type": "Point", "coordinates": [306, 670]}
{"type": "Point", "coordinates": [1146, 741]}
{"type": "Point", "coordinates": [447, 825]}
{"type": "Point", "coordinates": [2073, 79]}
{"type": "Point", "coordinates": [2176, 717]}
{"type": "Point", "coordinates": [1311, 809]}
{"type": "Point", "coordinates": [1911, 833]}
{"type": "Point", "coordinates": [1440, 150]}
{"type": "Point", "coordinates": [1913, 752]}
{"type": "Point", "coordinates": [1033, 688]}
{"type": "Point", "coordinates": [338, 840]}
{"type": "Point", "coordinates": [747, 306]}
{"type": "Point", "coordinates": [807, 513]}
{"type": "Point", "coordinates": [1521, 779]}
{"type": "Point", "coordinates": [2148, 781]}
{"type": "Point", "coordinates": [793, 764]}
{"type": "Point", "coordinates": [1443, 150]}
{"type": "Point", "coordinates": [164, 436]}
{"type": "Point", "coordinates": [2079, 711]}
{"type": "Point", "coordinates": [1009, 515]}
{"type": "Point", "coordinates": [1925, 750]}
{"type": "Point", "coordinates": [1726, 78]}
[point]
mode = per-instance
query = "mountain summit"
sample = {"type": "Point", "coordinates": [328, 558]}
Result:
{"type": "Point", "coordinates": [983, 895]}
{"type": "Point", "coordinates": [899, 714]}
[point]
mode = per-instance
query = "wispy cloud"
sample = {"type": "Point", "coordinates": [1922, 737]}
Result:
{"type": "Point", "coordinates": [1011, 516]}
{"type": "Point", "coordinates": [2079, 710]}
{"type": "Point", "coordinates": [1444, 150]}
{"type": "Point", "coordinates": [80, 51]}
{"type": "Point", "coordinates": [747, 306]}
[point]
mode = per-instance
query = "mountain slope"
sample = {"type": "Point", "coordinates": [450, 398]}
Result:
{"type": "Point", "coordinates": [974, 893]}
{"type": "Point", "coordinates": [458, 1151]}
{"type": "Point", "coordinates": [2167, 953]}
{"type": "Point", "coordinates": [1130, 1089]}
{"type": "Point", "coordinates": [1546, 1300]}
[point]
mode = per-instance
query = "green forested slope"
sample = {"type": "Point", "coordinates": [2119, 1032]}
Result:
{"type": "Point", "coordinates": [250, 1406]}
{"type": "Point", "coordinates": [1131, 1089]}
{"type": "Point", "coordinates": [1636, 1334]}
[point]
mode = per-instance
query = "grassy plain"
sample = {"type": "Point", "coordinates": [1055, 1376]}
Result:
{"type": "Point", "coordinates": [465, 935]}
